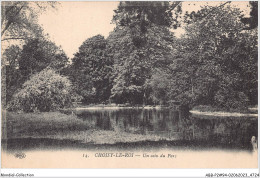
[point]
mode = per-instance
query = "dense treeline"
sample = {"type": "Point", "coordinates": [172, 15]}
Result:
{"type": "Point", "coordinates": [91, 70]}
{"type": "Point", "coordinates": [142, 62]}
{"type": "Point", "coordinates": [215, 63]}
{"type": "Point", "coordinates": [35, 55]}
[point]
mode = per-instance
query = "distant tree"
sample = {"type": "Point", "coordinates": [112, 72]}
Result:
{"type": "Point", "coordinates": [159, 86]}
{"type": "Point", "coordinates": [37, 54]}
{"type": "Point", "coordinates": [44, 91]}
{"type": "Point", "coordinates": [91, 70]}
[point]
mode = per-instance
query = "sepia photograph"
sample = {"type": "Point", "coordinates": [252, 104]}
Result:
{"type": "Point", "coordinates": [129, 84]}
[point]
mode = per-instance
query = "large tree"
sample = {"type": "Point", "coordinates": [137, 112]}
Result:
{"type": "Point", "coordinates": [12, 55]}
{"type": "Point", "coordinates": [35, 56]}
{"type": "Point", "coordinates": [216, 63]}
{"type": "Point", "coordinates": [19, 19]}
{"type": "Point", "coordinates": [134, 65]}
{"type": "Point", "coordinates": [141, 14]}
{"type": "Point", "coordinates": [19, 23]}
{"type": "Point", "coordinates": [140, 43]}
{"type": "Point", "coordinates": [91, 70]}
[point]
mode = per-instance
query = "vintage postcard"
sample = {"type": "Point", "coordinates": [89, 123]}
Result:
{"type": "Point", "coordinates": [129, 84]}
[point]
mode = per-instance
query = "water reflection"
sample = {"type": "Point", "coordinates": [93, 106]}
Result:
{"type": "Point", "coordinates": [169, 125]}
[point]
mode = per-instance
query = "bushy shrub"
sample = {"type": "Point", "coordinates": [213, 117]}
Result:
{"type": "Point", "coordinates": [230, 99]}
{"type": "Point", "coordinates": [45, 91]}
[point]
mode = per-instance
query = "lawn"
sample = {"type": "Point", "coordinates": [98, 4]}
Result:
{"type": "Point", "coordinates": [41, 124]}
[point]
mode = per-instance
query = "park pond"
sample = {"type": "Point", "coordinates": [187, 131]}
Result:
{"type": "Point", "coordinates": [128, 128]}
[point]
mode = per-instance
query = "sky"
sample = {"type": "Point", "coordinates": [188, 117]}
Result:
{"type": "Point", "coordinates": [74, 22]}
{"type": "Point", "coordinates": [71, 23]}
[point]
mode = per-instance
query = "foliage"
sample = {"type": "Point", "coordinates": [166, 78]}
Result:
{"type": "Point", "coordinates": [45, 91]}
{"type": "Point", "coordinates": [141, 14]}
{"type": "Point", "coordinates": [12, 73]}
{"type": "Point", "coordinates": [19, 19]}
{"type": "Point", "coordinates": [141, 62]}
{"type": "Point", "coordinates": [228, 98]}
{"type": "Point", "coordinates": [140, 43]}
{"type": "Point", "coordinates": [19, 24]}
{"type": "Point", "coordinates": [91, 69]}
{"type": "Point", "coordinates": [37, 54]}
{"type": "Point", "coordinates": [159, 86]}
{"type": "Point", "coordinates": [252, 21]}
{"type": "Point", "coordinates": [216, 62]}
{"type": "Point", "coordinates": [134, 65]}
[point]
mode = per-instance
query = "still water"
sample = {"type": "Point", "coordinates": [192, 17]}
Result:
{"type": "Point", "coordinates": [189, 131]}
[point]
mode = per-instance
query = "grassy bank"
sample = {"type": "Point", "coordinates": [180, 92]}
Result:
{"type": "Point", "coordinates": [41, 124]}
{"type": "Point", "coordinates": [205, 108]}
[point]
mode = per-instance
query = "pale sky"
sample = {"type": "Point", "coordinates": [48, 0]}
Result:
{"type": "Point", "coordinates": [74, 22]}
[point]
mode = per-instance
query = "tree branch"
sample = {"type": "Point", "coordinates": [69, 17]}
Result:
{"type": "Point", "coordinates": [214, 8]}
{"type": "Point", "coordinates": [7, 10]}
{"type": "Point", "coordinates": [175, 5]}
{"type": "Point", "coordinates": [6, 27]}
{"type": "Point", "coordinates": [11, 21]}
{"type": "Point", "coordinates": [14, 38]}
